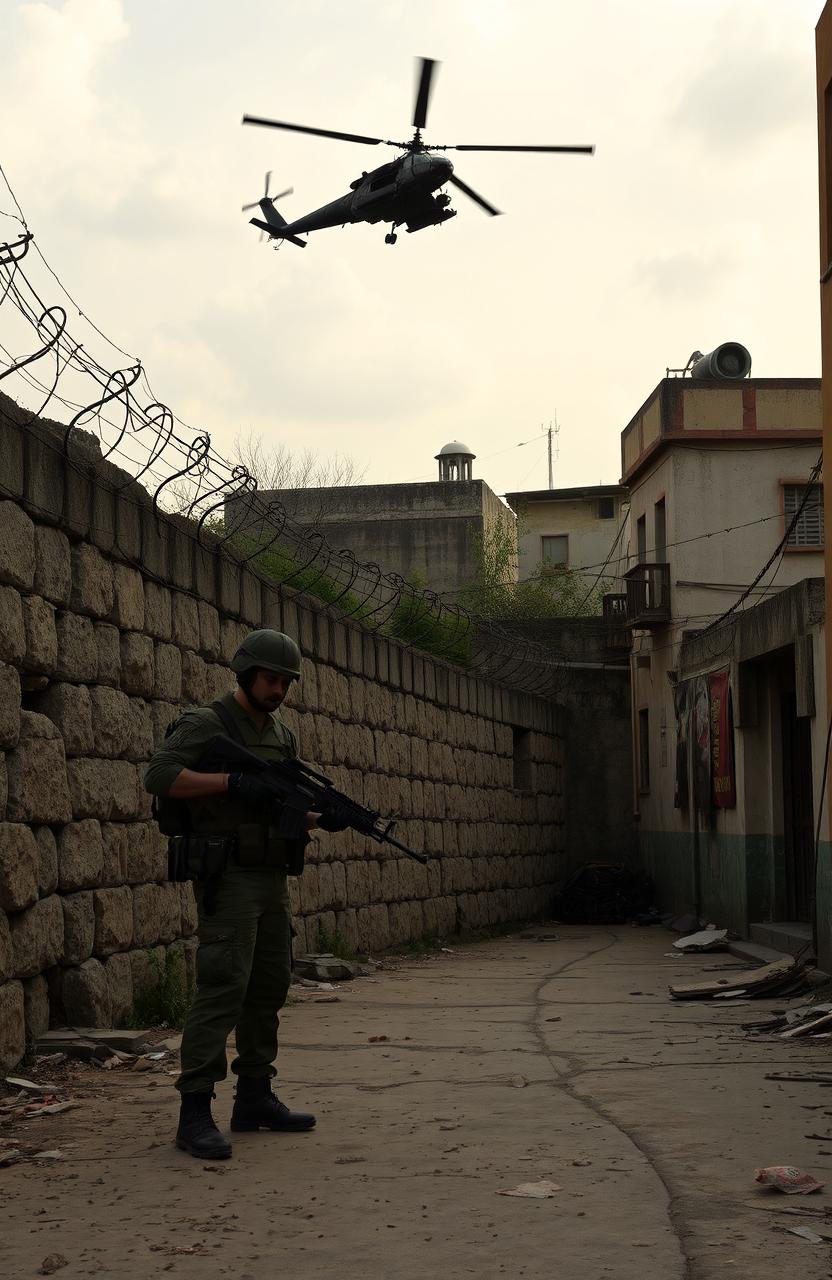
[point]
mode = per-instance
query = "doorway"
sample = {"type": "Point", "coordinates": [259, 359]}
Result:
{"type": "Point", "coordinates": [798, 807]}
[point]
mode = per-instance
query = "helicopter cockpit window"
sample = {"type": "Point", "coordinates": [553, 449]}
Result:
{"type": "Point", "coordinates": [383, 178]}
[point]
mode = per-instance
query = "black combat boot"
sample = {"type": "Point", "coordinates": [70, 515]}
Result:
{"type": "Point", "coordinates": [256, 1107]}
{"type": "Point", "coordinates": [197, 1132]}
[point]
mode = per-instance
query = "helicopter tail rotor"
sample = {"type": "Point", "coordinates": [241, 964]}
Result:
{"type": "Point", "coordinates": [265, 196]}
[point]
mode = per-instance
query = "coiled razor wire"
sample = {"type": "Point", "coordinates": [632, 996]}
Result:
{"type": "Point", "coordinates": [183, 474]}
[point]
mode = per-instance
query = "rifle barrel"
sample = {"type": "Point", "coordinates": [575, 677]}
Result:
{"type": "Point", "coordinates": [411, 853]}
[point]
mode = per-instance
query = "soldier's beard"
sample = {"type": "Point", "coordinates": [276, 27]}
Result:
{"type": "Point", "coordinates": [266, 706]}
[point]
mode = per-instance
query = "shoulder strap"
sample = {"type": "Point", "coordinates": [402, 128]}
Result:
{"type": "Point", "coordinates": [228, 722]}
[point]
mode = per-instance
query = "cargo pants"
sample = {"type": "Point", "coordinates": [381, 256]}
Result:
{"type": "Point", "coordinates": [244, 967]}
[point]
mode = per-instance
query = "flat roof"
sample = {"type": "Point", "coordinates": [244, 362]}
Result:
{"type": "Point", "coordinates": [747, 411]}
{"type": "Point", "coordinates": [567, 495]}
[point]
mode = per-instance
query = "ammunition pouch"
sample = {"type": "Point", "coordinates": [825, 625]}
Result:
{"type": "Point", "coordinates": [259, 846]}
{"type": "Point", "coordinates": [195, 857]}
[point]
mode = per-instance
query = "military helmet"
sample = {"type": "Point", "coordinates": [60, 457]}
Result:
{"type": "Point", "coordinates": [268, 650]}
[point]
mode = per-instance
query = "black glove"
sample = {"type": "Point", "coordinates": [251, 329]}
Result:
{"type": "Point", "coordinates": [248, 787]}
{"type": "Point", "coordinates": [331, 822]}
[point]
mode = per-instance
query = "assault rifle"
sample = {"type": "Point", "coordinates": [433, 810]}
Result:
{"type": "Point", "coordinates": [299, 790]}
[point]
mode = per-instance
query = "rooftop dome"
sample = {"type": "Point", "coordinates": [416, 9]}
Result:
{"type": "Point", "coordinates": [455, 461]}
{"type": "Point", "coordinates": [455, 447]}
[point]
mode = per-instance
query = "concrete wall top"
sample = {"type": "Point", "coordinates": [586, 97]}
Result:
{"type": "Point", "coordinates": [385, 501]}
{"type": "Point", "coordinates": [696, 409]}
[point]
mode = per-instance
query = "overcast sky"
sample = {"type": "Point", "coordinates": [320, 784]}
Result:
{"type": "Point", "coordinates": [694, 223]}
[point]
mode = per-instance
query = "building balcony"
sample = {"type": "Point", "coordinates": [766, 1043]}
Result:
{"type": "Point", "coordinates": [648, 595]}
{"type": "Point", "coordinates": [617, 634]}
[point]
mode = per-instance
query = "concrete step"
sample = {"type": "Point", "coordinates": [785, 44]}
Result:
{"type": "Point", "coordinates": [789, 937]}
{"type": "Point", "coordinates": [755, 952]}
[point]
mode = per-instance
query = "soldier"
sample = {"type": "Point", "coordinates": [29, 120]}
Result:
{"type": "Point", "coordinates": [240, 867]}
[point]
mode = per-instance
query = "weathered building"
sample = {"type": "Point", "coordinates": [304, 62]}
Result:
{"type": "Point", "coordinates": [726, 736]}
{"type": "Point", "coordinates": [569, 528]}
{"type": "Point", "coordinates": [433, 530]}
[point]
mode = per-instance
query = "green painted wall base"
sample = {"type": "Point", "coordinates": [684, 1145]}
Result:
{"type": "Point", "coordinates": [729, 879]}
{"type": "Point", "coordinates": [823, 913]}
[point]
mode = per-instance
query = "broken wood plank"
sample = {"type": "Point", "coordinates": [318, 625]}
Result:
{"type": "Point", "coordinates": [751, 980]}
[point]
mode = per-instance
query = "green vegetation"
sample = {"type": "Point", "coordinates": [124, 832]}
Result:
{"type": "Point", "coordinates": [549, 593]}
{"type": "Point", "coordinates": [421, 622]}
{"type": "Point", "coordinates": [163, 1000]}
{"type": "Point", "coordinates": [416, 621]}
{"type": "Point", "coordinates": [335, 944]}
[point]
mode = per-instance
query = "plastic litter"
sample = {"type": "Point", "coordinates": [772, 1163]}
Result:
{"type": "Point", "coordinates": [788, 1179]}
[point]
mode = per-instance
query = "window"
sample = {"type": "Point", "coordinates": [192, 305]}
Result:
{"type": "Point", "coordinates": [641, 539]}
{"type": "Point", "coordinates": [555, 551]}
{"type": "Point", "coordinates": [808, 529]}
{"type": "Point", "coordinates": [660, 533]}
{"type": "Point", "coordinates": [644, 750]}
{"type": "Point", "coordinates": [522, 758]}
{"type": "Point", "coordinates": [606, 508]}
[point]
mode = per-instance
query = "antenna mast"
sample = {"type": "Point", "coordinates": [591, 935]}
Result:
{"type": "Point", "coordinates": [550, 432]}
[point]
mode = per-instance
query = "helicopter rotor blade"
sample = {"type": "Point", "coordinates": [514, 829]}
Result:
{"type": "Point", "coordinates": [320, 133]}
{"type": "Point", "coordinates": [423, 88]}
{"type": "Point", "coordinates": [268, 180]}
{"type": "Point", "coordinates": [461, 146]}
{"type": "Point", "coordinates": [472, 195]}
{"type": "Point", "coordinates": [255, 204]}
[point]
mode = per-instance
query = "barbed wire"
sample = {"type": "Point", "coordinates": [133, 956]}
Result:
{"type": "Point", "coordinates": [111, 419]}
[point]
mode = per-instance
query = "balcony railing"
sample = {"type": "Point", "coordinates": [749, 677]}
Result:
{"type": "Point", "coordinates": [648, 595]}
{"type": "Point", "coordinates": [617, 634]}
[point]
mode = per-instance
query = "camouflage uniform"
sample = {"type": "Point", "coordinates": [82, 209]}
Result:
{"type": "Point", "coordinates": [244, 956]}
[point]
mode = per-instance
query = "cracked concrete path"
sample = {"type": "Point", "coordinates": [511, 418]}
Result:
{"type": "Point", "coordinates": [505, 1062]}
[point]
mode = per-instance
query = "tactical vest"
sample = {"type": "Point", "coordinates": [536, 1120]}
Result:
{"type": "Point", "coordinates": [250, 843]}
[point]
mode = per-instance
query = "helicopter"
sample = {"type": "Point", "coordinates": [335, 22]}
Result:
{"type": "Point", "coordinates": [405, 191]}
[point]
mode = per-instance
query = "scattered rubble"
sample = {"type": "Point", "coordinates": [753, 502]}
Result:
{"type": "Point", "coordinates": [325, 967]}
{"type": "Point", "coordinates": [781, 977]}
{"type": "Point", "coordinates": [704, 940]}
{"type": "Point", "coordinates": [805, 1233]}
{"type": "Point", "coordinates": [89, 1043]}
{"type": "Point", "coordinates": [801, 1077]}
{"type": "Point", "coordinates": [543, 1190]}
{"type": "Point", "coordinates": [814, 1018]}
{"type": "Point", "coordinates": [53, 1263]}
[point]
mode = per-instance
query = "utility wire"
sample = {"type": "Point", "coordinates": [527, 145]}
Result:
{"type": "Point", "coordinates": [778, 550]}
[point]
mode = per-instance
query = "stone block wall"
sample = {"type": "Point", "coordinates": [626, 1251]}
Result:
{"type": "Point", "coordinates": [112, 618]}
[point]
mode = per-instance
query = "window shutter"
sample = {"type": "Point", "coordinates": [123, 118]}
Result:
{"type": "Point", "coordinates": [808, 531]}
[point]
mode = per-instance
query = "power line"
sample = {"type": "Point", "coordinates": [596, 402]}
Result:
{"type": "Point", "coordinates": [778, 550]}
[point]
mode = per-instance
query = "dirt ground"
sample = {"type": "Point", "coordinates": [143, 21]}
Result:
{"type": "Point", "coordinates": [508, 1061]}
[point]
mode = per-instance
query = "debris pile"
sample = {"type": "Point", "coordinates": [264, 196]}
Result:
{"type": "Point", "coordinates": [786, 976]}
{"type": "Point", "coordinates": [710, 939]}
{"type": "Point", "coordinates": [813, 1019]}
{"type": "Point", "coordinates": [31, 1101]}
